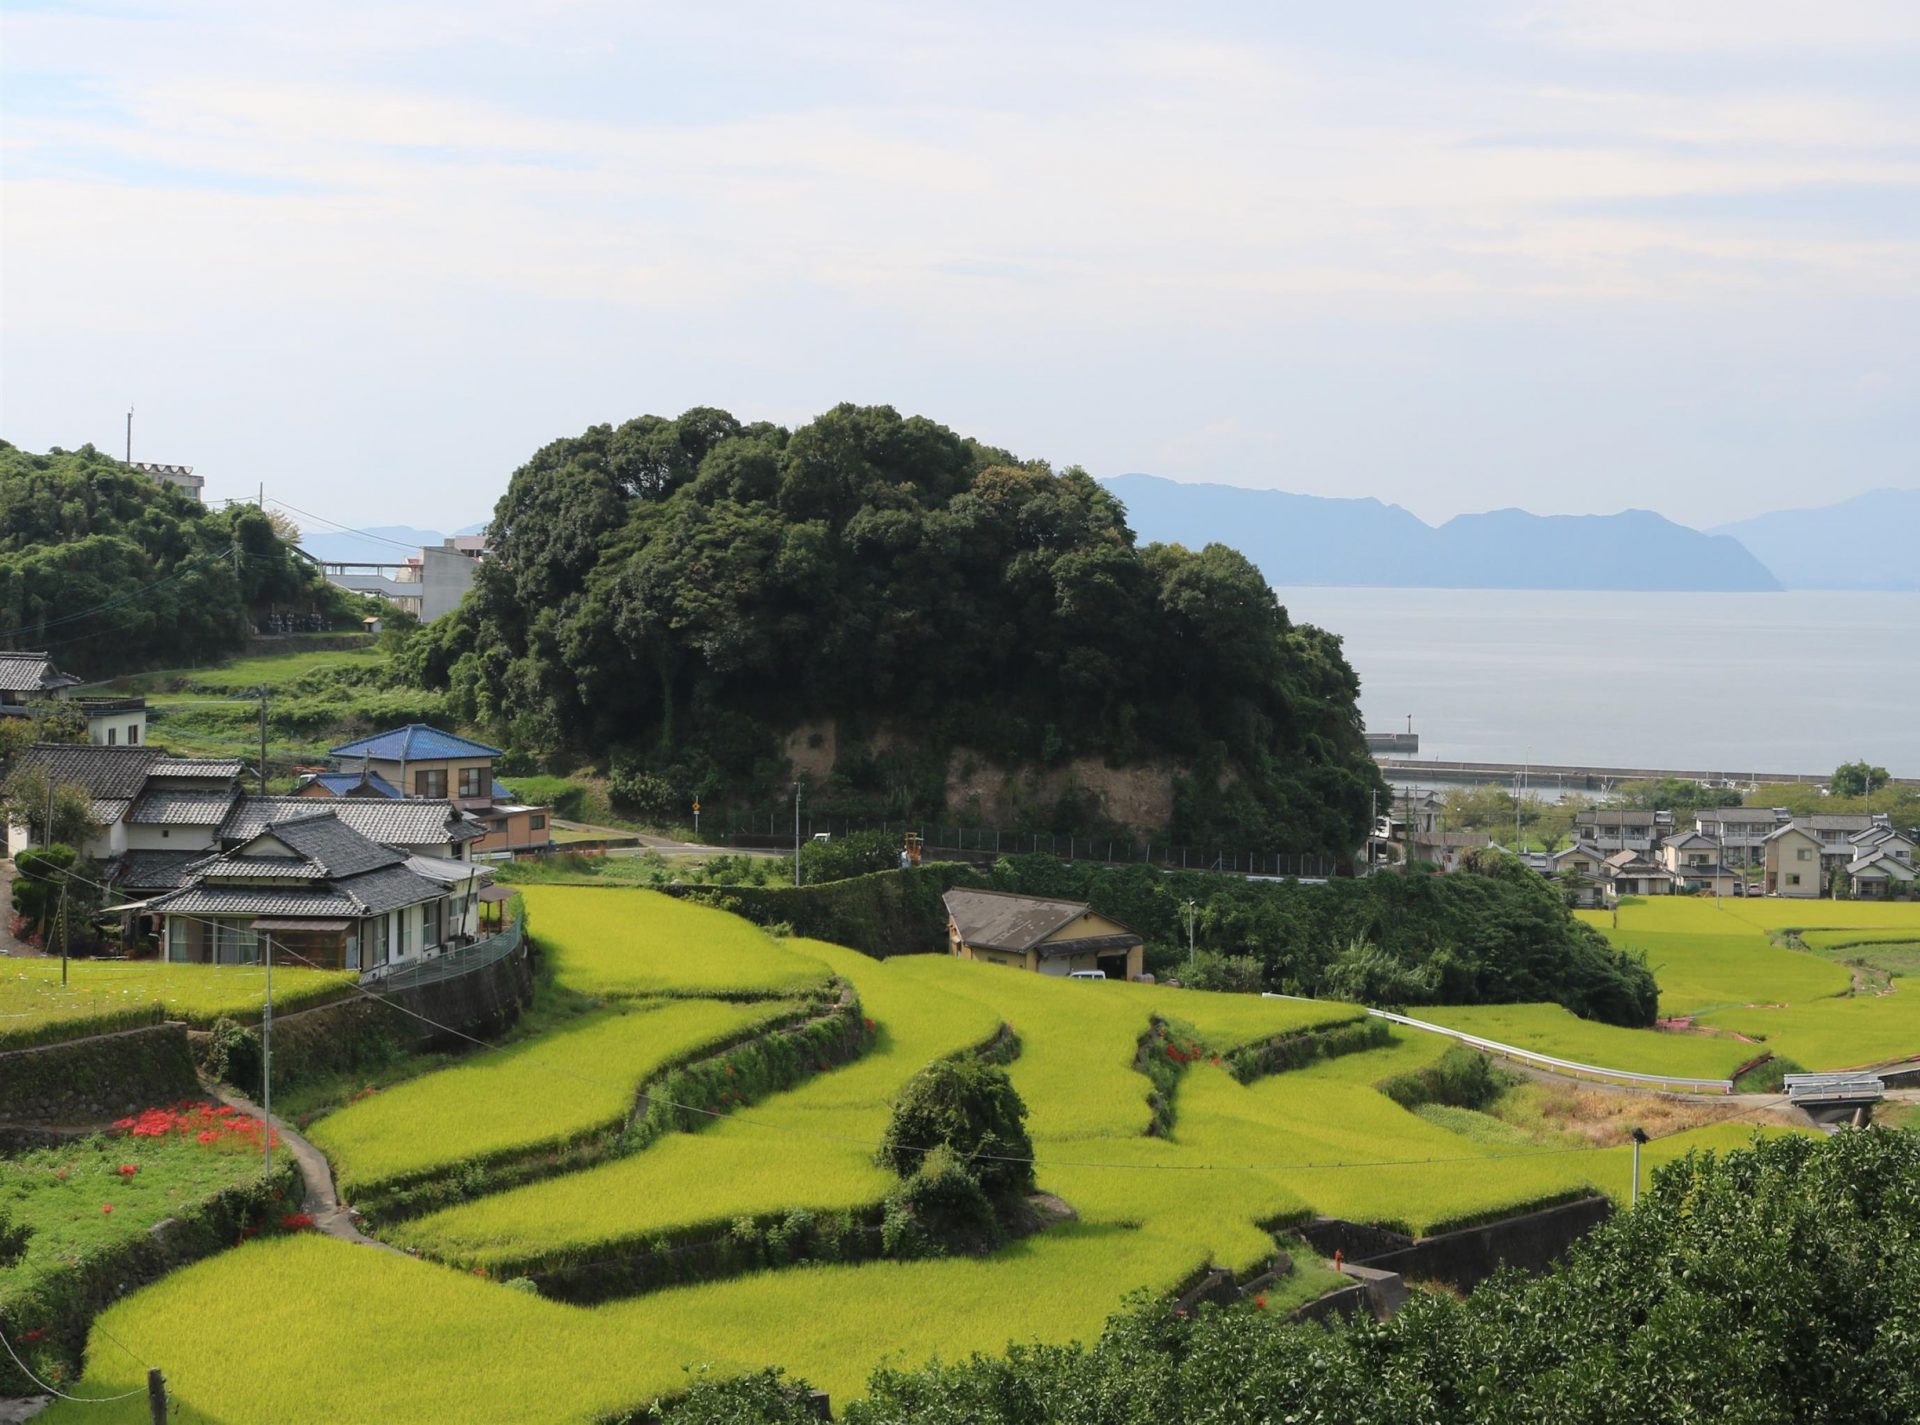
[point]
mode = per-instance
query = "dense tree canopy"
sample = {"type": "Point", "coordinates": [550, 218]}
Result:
{"type": "Point", "coordinates": [677, 593]}
{"type": "Point", "coordinates": [110, 570]}
{"type": "Point", "coordinates": [1498, 934]}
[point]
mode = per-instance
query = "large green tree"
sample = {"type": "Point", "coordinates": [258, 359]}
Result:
{"type": "Point", "coordinates": [677, 594]}
{"type": "Point", "coordinates": [111, 570]}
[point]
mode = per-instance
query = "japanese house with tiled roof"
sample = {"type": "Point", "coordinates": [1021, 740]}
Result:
{"type": "Point", "coordinates": [422, 761]}
{"type": "Point", "coordinates": [1050, 937]}
{"type": "Point", "coordinates": [328, 896]}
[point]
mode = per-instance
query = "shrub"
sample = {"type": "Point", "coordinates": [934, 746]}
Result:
{"type": "Point", "coordinates": [940, 1209]}
{"type": "Point", "coordinates": [1236, 974]}
{"type": "Point", "coordinates": [970, 1108]}
{"type": "Point", "coordinates": [643, 793]}
{"type": "Point", "coordinates": [1463, 1078]}
{"type": "Point", "coordinates": [232, 1056]}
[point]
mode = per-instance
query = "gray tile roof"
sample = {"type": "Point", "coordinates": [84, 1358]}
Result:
{"type": "Point", "coordinates": [104, 771]}
{"type": "Point", "coordinates": [258, 868]}
{"type": "Point", "coordinates": [150, 870]}
{"type": "Point", "coordinates": [327, 839]}
{"type": "Point", "coordinates": [225, 768]}
{"type": "Point", "coordinates": [258, 900]}
{"type": "Point", "coordinates": [1837, 821]}
{"type": "Point", "coordinates": [391, 823]}
{"type": "Point", "coordinates": [22, 672]}
{"type": "Point", "coordinates": [105, 811]}
{"type": "Point", "coordinates": [181, 809]}
{"type": "Point", "coordinates": [390, 888]}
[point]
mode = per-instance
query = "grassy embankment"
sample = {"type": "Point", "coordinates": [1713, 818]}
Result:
{"type": "Point", "coordinates": [1151, 1209]}
{"type": "Point", "coordinates": [104, 995]}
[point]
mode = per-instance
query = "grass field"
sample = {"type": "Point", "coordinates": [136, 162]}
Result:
{"type": "Point", "coordinates": [1552, 1029]}
{"type": "Point", "coordinates": [633, 943]}
{"type": "Point", "coordinates": [544, 1091]}
{"type": "Point", "coordinates": [1151, 1209]}
{"type": "Point", "coordinates": [34, 1006]}
{"type": "Point", "coordinates": [275, 672]}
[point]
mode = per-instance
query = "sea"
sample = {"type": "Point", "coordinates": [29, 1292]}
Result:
{"type": "Point", "coordinates": [1734, 684]}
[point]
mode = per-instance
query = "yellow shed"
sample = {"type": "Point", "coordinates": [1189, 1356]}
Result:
{"type": "Point", "coordinates": [1050, 937]}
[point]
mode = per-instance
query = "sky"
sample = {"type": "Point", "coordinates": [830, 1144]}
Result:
{"type": "Point", "coordinates": [1574, 257]}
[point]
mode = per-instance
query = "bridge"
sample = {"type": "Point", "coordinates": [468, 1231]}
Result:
{"type": "Point", "coordinates": [1581, 778]}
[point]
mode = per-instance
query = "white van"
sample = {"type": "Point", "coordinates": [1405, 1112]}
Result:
{"type": "Point", "coordinates": [1086, 974]}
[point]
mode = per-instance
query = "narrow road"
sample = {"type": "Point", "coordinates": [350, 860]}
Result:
{"type": "Point", "coordinates": [321, 1201]}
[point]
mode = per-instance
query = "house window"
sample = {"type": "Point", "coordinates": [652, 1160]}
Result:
{"type": "Point", "coordinates": [179, 940]}
{"type": "Point", "coordinates": [473, 781]}
{"type": "Point", "coordinates": [234, 945]}
{"type": "Point", "coordinates": [1793, 878]}
{"type": "Point", "coordinates": [1803, 853]}
{"type": "Point", "coordinates": [353, 947]}
{"type": "Point", "coordinates": [430, 782]}
{"type": "Point", "coordinates": [536, 823]}
{"type": "Point", "coordinates": [377, 941]}
{"type": "Point", "coordinates": [113, 736]}
{"type": "Point", "coordinates": [430, 926]}
{"type": "Point", "coordinates": [406, 933]}
{"type": "Point", "coordinates": [133, 734]}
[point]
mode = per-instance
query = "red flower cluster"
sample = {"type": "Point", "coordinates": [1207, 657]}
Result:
{"type": "Point", "coordinates": [1261, 1302]}
{"type": "Point", "coordinates": [215, 1125]}
{"type": "Point", "coordinates": [297, 1221]}
{"type": "Point", "coordinates": [106, 1209]}
{"type": "Point", "coordinates": [1185, 1054]}
{"type": "Point", "coordinates": [39, 1333]}
{"type": "Point", "coordinates": [127, 1170]}
{"type": "Point", "coordinates": [869, 1024]}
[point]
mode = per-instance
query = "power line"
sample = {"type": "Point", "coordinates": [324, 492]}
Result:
{"type": "Point", "coordinates": [345, 529]}
{"type": "Point", "coordinates": [55, 1390]}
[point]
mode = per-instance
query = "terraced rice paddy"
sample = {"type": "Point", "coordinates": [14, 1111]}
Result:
{"type": "Point", "coordinates": [540, 1093]}
{"type": "Point", "coordinates": [1151, 1210]}
{"type": "Point", "coordinates": [611, 943]}
{"type": "Point", "coordinates": [107, 994]}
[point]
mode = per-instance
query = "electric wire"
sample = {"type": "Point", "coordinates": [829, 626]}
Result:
{"type": "Point", "coordinates": [345, 529]}
{"type": "Point", "coordinates": [55, 1390]}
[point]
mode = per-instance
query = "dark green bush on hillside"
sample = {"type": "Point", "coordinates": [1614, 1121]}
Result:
{"type": "Point", "coordinates": [688, 592]}
{"type": "Point", "coordinates": [1497, 936]}
{"type": "Point", "coordinates": [971, 1109]}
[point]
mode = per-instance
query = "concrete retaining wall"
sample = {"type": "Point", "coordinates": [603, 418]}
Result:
{"type": "Point", "coordinates": [1468, 1257]}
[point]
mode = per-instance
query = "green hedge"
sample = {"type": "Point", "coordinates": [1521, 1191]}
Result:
{"type": "Point", "coordinates": [886, 913]}
{"type": "Point", "coordinates": [81, 1026]}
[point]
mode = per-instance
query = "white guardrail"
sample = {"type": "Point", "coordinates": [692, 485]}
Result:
{"type": "Point", "coordinates": [1563, 1066]}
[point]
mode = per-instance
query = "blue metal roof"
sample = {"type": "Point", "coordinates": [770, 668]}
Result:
{"type": "Point", "coordinates": [341, 783]}
{"type": "Point", "coordinates": [416, 742]}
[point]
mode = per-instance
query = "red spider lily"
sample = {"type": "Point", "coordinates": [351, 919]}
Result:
{"type": "Point", "coordinates": [297, 1221]}
{"type": "Point", "coordinates": [869, 1024]}
{"type": "Point", "coordinates": [127, 1170]}
{"type": "Point", "coordinates": [106, 1209]}
{"type": "Point", "coordinates": [1260, 1302]}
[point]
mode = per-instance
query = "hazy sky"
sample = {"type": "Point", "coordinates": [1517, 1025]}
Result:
{"type": "Point", "coordinates": [1574, 257]}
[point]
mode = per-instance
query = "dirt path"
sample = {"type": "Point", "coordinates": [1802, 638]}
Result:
{"type": "Point", "coordinates": [321, 1201]}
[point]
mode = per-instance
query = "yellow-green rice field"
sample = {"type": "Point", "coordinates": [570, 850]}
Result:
{"type": "Point", "coordinates": [1150, 1209]}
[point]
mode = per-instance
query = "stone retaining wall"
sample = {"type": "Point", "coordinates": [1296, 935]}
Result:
{"type": "Point", "coordinates": [96, 1080]}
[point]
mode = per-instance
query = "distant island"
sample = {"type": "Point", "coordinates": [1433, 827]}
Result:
{"type": "Point", "coordinates": [1314, 539]}
{"type": "Point", "coordinates": [1869, 542]}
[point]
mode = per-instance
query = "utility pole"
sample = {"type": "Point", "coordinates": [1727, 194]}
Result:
{"type": "Point", "coordinates": [60, 928]}
{"type": "Point", "coordinates": [263, 741]}
{"type": "Point", "coordinates": [1639, 1137]}
{"type": "Point", "coordinates": [266, 1058]}
{"type": "Point", "coordinates": [157, 1396]}
{"type": "Point", "coordinates": [1191, 910]}
{"type": "Point", "coordinates": [129, 435]}
{"type": "Point", "coordinates": [796, 833]}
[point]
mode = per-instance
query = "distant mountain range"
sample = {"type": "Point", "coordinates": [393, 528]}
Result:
{"type": "Point", "coordinates": [1311, 539]}
{"type": "Point", "coordinates": [376, 544]}
{"type": "Point", "coordinates": [1869, 542]}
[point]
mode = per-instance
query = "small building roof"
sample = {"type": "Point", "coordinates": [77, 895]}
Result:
{"type": "Point", "coordinates": [1613, 816]}
{"type": "Point", "coordinates": [1693, 839]}
{"type": "Point", "coordinates": [1000, 920]}
{"type": "Point", "coordinates": [23, 672]}
{"type": "Point", "coordinates": [407, 822]}
{"type": "Point", "coordinates": [416, 742]}
{"type": "Point", "coordinates": [116, 772]}
{"type": "Point", "coordinates": [181, 809]}
{"type": "Point", "coordinates": [347, 784]}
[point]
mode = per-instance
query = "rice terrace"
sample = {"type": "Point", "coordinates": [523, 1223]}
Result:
{"type": "Point", "coordinates": [677, 1173]}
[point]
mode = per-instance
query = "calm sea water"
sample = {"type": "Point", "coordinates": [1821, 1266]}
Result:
{"type": "Point", "coordinates": [1733, 683]}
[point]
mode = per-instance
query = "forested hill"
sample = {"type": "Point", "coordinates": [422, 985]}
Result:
{"type": "Point", "coordinates": [111, 571]}
{"type": "Point", "coordinates": [678, 596]}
